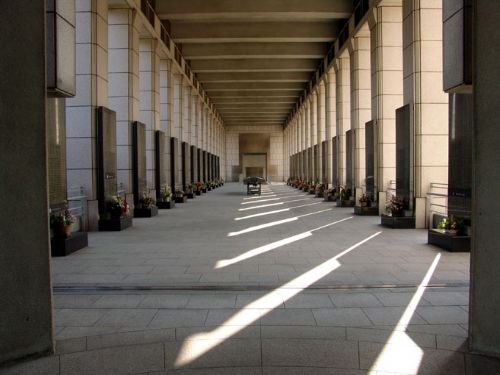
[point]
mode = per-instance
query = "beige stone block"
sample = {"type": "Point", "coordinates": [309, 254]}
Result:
{"type": "Point", "coordinates": [389, 105]}
{"type": "Point", "coordinates": [434, 118]}
{"type": "Point", "coordinates": [102, 9]}
{"type": "Point", "coordinates": [102, 62]}
{"type": "Point", "coordinates": [119, 16]}
{"type": "Point", "coordinates": [420, 213]}
{"type": "Point", "coordinates": [431, 24]}
{"type": "Point", "coordinates": [432, 88]}
{"type": "Point", "coordinates": [101, 37]}
{"type": "Point", "coordinates": [388, 155]}
{"type": "Point", "coordinates": [430, 175]}
{"type": "Point", "coordinates": [101, 95]}
{"type": "Point", "coordinates": [118, 60]}
{"type": "Point", "coordinates": [390, 58]}
{"type": "Point", "coordinates": [390, 14]}
{"type": "Point", "coordinates": [390, 82]}
{"type": "Point", "coordinates": [432, 56]}
{"type": "Point", "coordinates": [118, 36]}
{"type": "Point", "coordinates": [392, 35]}
{"type": "Point", "coordinates": [434, 150]}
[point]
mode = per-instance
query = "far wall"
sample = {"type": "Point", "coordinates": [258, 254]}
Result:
{"type": "Point", "coordinates": [254, 139]}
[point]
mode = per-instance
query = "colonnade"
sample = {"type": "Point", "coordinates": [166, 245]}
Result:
{"type": "Point", "coordinates": [389, 59]}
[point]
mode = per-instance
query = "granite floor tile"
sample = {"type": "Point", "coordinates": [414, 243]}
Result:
{"type": "Point", "coordinates": [342, 317]}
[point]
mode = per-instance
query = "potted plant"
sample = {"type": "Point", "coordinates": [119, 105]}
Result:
{"type": "Point", "coordinates": [330, 195]}
{"type": "Point", "coordinates": [396, 206]}
{"type": "Point", "coordinates": [364, 201]}
{"type": "Point", "coordinates": [146, 201]}
{"type": "Point", "coordinates": [117, 206]}
{"type": "Point", "coordinates": [166, 193]}
{"type": "Point", "coordinates": [319, 189]}
{"type": "Point", "coordinates": [179, 196]}
{"type": "Point", "coordinates": [190, 191]}
{"type": "Point", "coordinates": [449, 225]}
{"type": "Point", "coordinates": [345, 193]}
{"type": "Point", "coordinates": [61, 222]}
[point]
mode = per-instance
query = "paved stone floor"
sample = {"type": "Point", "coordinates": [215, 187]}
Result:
{"type": "Point", "coordinates": [282, 283]}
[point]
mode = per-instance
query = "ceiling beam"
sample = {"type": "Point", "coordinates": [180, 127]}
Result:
{"type": "Point", "coordinates": [253, 86]}
{"type": "Point", "coordinates": [254, 77]}
{"type": "Point", "coordinates": [244, 32]}
{"type": "Point", "coordinates": [207, 51]}
{"type": "Point", "coordinates": [253, 65]}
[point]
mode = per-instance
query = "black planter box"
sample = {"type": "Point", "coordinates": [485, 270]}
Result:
{"type": "Point", "coordinates": [146, 212]}
{"type": "Point", "coordinates": [365, 211]}
{"type": "Point", "coordinates": [398, 222]}
{"type": "Point", "coordinates": [319, 195]}
{"type": "Point", "coordinates": [341, 203]}
{"type": "Point", "coordinates": [190, 195]}
{"type": "Point", "coordinates": [447, 241]}
{"type": "Point", "coordinates": [60, 247]}
{"type": "Point", "coordinates": [181, 199]}
{"type": "Point", "coordinates": [117, 224]}
{"type": "Point", "coordinates": [204, 190]}
{"type": "Point", "coordinates": [209, 189]}
{"type": "Point", "coordinates": [198, 192]}
{"type": "Point", "coordinates": [165, 205]}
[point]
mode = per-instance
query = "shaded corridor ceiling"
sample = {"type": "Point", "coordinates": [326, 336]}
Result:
{"type": "Point", "coordinates": [254, 58]}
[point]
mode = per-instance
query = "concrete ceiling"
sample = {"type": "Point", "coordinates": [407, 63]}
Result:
{"type": "Point", "coordinates": [254, 58]}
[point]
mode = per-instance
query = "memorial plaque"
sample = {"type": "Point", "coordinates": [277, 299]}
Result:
{"type": "Point", "coordinates": [139, 181]}
{"type": "Point", "coordinates": [403, 160]}
{"type": "Point", "coordinates": [316, 166]}
{"type": "Point", "coordinates": [304, 165]}
{"type": "Point", "coordinates": [335, 164]}
{"type": "Point", "coordinates": [324, 166]}
{"type": "Point", "coordinates": [174, 163]}
{"type": "Point", "coordinates": [309, 164]}
{"type": "Point", "coordinates": [349, 152]}
{"type": "Point", "coordinates": [186, 163]}
{"type": "Point", "coordinates": [460, 155]}
{"type": "Point", "coordinates": [56, 147]}
{"type": "Point", "coordinates": [199, 164]}
{"type": "Point", "coordinates": [160, 172]}
{"type": "Point", "coordinates": [370, 158]}
{"type": "Point", "coordinates": [209, 166]}
{"type": "Point", "coordinates": [194, 164]}
{"type": "Point", "coordinates": [106, 156]}
{"type": "Point", "coordinates": [205, 165]}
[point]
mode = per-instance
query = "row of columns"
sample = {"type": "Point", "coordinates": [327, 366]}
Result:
{"type": "Point", "coordinates": [393, 58]}
{"type": "Point", "coordinates": [122, 64]}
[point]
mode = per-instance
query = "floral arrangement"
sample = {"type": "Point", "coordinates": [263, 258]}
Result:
{"type": "Point", "coordinates": [63, 217]}
{"type": "Point", "coordinates": [396, 206]}
{"type": "Point", "coordinates": [166, 193]}
{"type": "Point", "coordinates": [117, 206]}
{"type": "Point", "coordinates": [320, 187]}
{"type": "Point", "coordinates": [146, 201]}
{"type": "Point", "coordinates": [449, 223]}
{"type": "Point", "coordinates": [189, 189]}
{"type": "Point", "coordinates": [179, 193]}
{"type": "Point", "coordinates": [344, 192]}
{"type": "Point", "coordinates": [364, 200]}
{"type": "Point", "coordinates": [201, 185]}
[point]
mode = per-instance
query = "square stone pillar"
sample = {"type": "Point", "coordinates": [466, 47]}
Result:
{"type": "Point", "coordinates": [26, 299]}
{"type": "Point", "coordinates": [331, 116]}
{"type": "Point", "coordinates": [423, 90]}
{"type": "Point", "coordinates": [123, 86]}
{"type": "Point", "coordinates": [313, 126]}
{"type": "Point", "coordinates": [484, 327]}
{"type": "Point", "coordinates": [149, 94]}
{"type": "Point", "coordinates": [186, 111]}
{"type": "Point", "coordinates": [386, 40]}
{"type": "Point", "coordinates": [91, 92]}
{"type": "Point", "coordinates": [359, 51]}
{"type": "Point", "coordinates": [177, 106]}
{"type": "Point", "coordinates": [194, 118]}
{"type": "Point", "coordinates": [321, 127]}
{"type": "Point", "coordinates": [343, 97]}
{"type": "Point", "coordinates": [166, 108]}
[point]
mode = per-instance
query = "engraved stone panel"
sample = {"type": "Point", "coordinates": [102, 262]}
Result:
{"type": "Point", "coordinates": [160, 170]}
{"type": "Point", "coordinates": [349, 152]}
{"type": "Point", "coordinates": [194, 163]}
{"type": "Point", "coordinates": [186, 164]}
{"type": "Point", "coordinates": [106, 156]}
{"type": "Point", "coordinates": [174, 163]}
{"type": "Point", "coordinates": [139, 181]}
{"type": "Point", "coordinates": [335, 164]}
{"type": "Point", "coordinates": [403, 153]}
{"type": "Point", "coordinates": [370, 158]}
{"type": "Point", "coordinates": [56, 142]}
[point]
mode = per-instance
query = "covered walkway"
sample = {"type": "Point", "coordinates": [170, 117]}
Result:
{"type": "Point", "coordinates": [282, 283]}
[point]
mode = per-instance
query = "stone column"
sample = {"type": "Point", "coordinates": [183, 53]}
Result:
{"type": "Point", "coordinates": [313, 132]}
{"type": "Point", "coordinates": [386, 40]}
{"type": "Point", "coordinates": [166, 108]}
{"type": "Point", "coordinates": [423, 90]}
{"type": "Point", "coordinates": [91, 92]}
{"type": "Point", "coordinates": [149, 94]}
{"type": "Point", "coordinates": [26, 312]}
{"type": "Point", "coordinates": [123, 75]}
{"type": "Point", "coordinates": [176, 127]}
{"type": "Point", "coordinates": [343, 98]}
{"type": "Point", "coordinates": [331, 115]}
{"type": "Point", "coordinates": [321, 112]}
{"type": "Point", "coordinates": [186, 111]}
{"type": "Point", "coordinates": [485, 258]}
{"type": "Point", "coordinates": [359, 53]}
{"type": "Point", "coordinates": [194, 118]}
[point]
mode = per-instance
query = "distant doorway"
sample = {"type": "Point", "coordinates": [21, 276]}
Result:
{"type": "Point", "coordinates": [254, 165]}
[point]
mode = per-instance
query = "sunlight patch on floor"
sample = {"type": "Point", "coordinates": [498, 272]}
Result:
{"type": "Point", "coordinates": [272, 204]}
{"type": "Point", "coordinates": [275, 211]}
{"type": "Point", "coordinates": [400, 353]}
{"type": "Point", "coordinates": [200, 344]}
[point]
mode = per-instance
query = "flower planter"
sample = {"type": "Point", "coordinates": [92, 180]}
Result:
{"type": "Point", "coordinates": [182, 199]}
{"type": "Point", "coordinates": [165, 205]}
{"type": "Point", "coordinates": [146, 212]}
{"type": "Point", "coordinates": [198, 192]}
{"type": "Point", "coordinates": [398, 222]}
{"type": "Point", "coordinates": [342, 203]}
{"type": "Point", "coordinates": [190, 195]}
{"type": "Point", "coordinates": [204, 190]}
{"type": "Point", "coordinates": [60, 247]}
{"type": "Point", "coordinates": [365, 211]}
{"type": "Point", "coordinates": [115, 224]}
{"type": "Point", "coordinates": [448, 241]}
{"type": "Point", "coordinates": [62, 231]}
